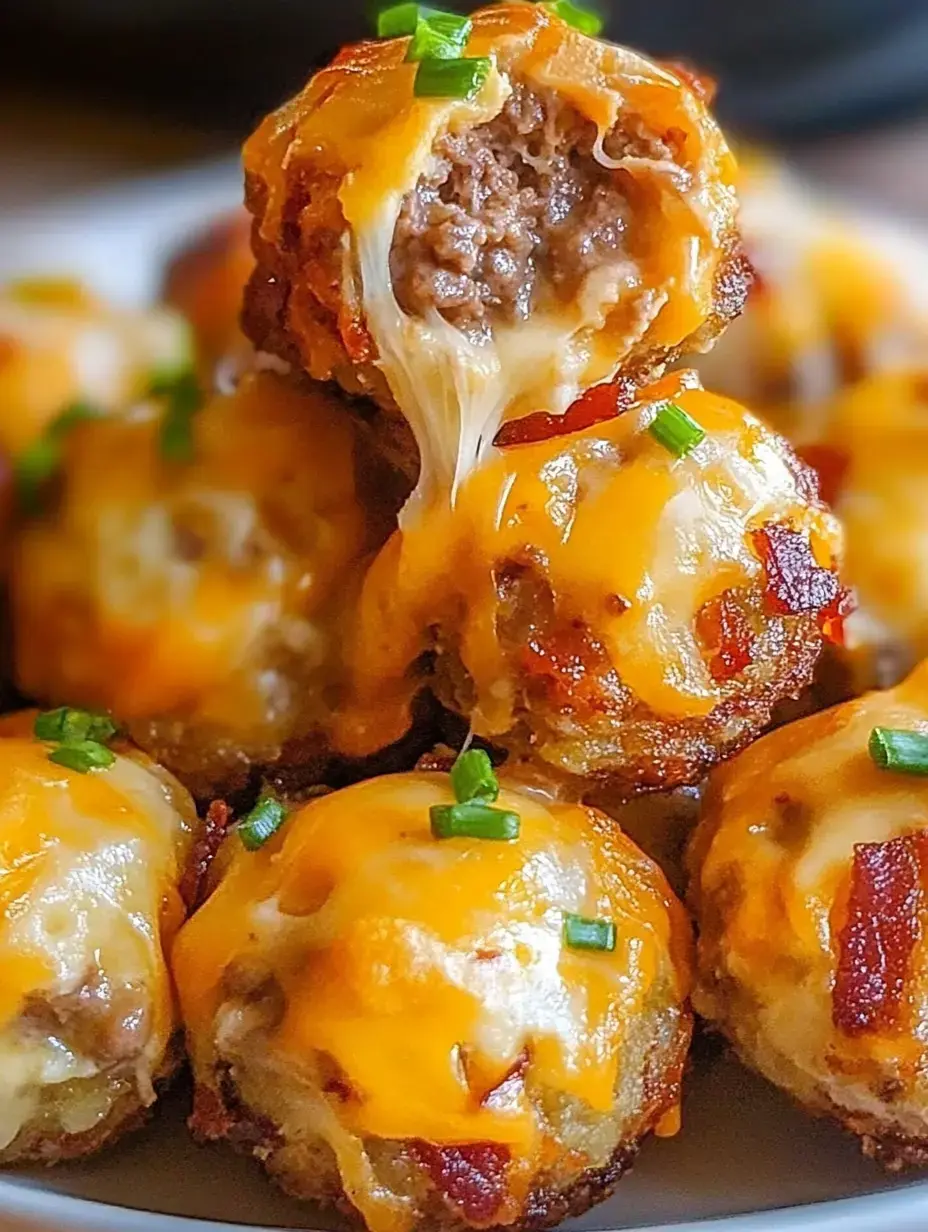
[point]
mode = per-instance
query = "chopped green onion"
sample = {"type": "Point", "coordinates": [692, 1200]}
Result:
{"type": "Point", "coordinates": [441, 36]}
{"type": "Point", "coordinates": [581, 933]}
{"type": "Point", "coordinates": [473, 778]}
{"type": "Point", "coordinates": [83, 756]}
{"type": "Point", "coordinates": [906, 752]}
{"type": "Point", "coordinates": [181, 391]}
{"type": "Point", "coordinates": [264, 820]}
{"type": "Point", "coordinates": [70, 726]}
{"type": "Point", "coordinates": [675, 430]}
{"type": "Point", "coordinates": [452, 78]}
{"type": "Point", "coordinates": [399, 20]}
{"type": "Point", "coordinates": [39, 462]}
{"type": "Point", "coordinates": [473, 820]}
{"type": "Point", "coordinates": [581, 19]}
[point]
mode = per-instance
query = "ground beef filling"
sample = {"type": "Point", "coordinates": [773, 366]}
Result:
{"type": "Point", "coordinates": [510, 210]}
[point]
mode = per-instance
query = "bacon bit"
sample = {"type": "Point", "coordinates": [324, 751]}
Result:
{"type": "Point", "coordinates": [831, 465]}
{"type": "Point", "coordinates": [215, 825]}
{"type": "Point", "coordinates": [701, 84]}
{"type": "Point", "coordinates": [831, 619]}
{"type": "Point", "coordinates": [566, 660]}
{"type": "Point", "coordinates": [437, 760]}
{"type": "Point", "coordinates": [725, 631]}
{"type": "Point", "coordinates": [796, 583]}
{"type": "Point", "coordinates": [355, 335]}
{"type": "Point", "coordinates": [617, 605]}
{"type": "Point", "coordinates": [471, 1177]}
{"type": "Point", "coordinates": [876, 943]}
{"type": "Point", "coordinates": [210, 1120]}
{"type": "Point", "coordinates": [598, 404]}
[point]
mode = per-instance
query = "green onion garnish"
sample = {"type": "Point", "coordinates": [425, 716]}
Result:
{"type": "Point", "coordinates": [70, 726]}
{"type": "Point", "coordinates": [906, 752]}
{"type": "Point", "coordinates": [39, 462]}
{"type": "Point", "coordinates": [440, 36]}
{"type": "Point", "coordinates": [264, 820]}
{"type": "Point", "coordinates": [181, 391]}
{"type": "Point", "coordinates": [399, 20]}
{"type": "Point", "coordinates": [473, 820]}
{"type": "Point", "coordinates": [83, 756]}
{"type": "Point", "coordinates": [581, 19]}
{"type": "Point", "coordinates": [80, 735]}
{"type": "Point", "coordinates": [452, 78]}
{"type": "Point", "coordinates": [473, 778]}
{"type": "Point", "coordinates": [675, 430]}
{"type": "Point", "coordinates": [581, 933]}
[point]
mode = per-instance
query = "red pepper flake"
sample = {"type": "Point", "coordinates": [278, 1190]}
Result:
{"type": "Point", "coordinates": [831, 465]}
{"type": "Point", "coordinates": [472, 1177]}
{"type": "Point", "coordinates": [212, 833]}
{"type": "Point", "coordinates": [796, 583]}
{"type": "Point", "coordinates": [725, 631]}
{"type": "Point", "coordinates": [701, 84]}
{"type": "Point", "coordinates": [883, 925]}
{"type": "Point", "coordinates": [599, 403]}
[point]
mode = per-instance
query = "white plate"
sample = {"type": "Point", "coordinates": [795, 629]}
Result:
{"type": "Point", "coordinates": [746, 1160]}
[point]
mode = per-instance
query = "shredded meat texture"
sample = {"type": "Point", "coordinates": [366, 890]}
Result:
{"type": "Point", "coordinates": [511, 210]}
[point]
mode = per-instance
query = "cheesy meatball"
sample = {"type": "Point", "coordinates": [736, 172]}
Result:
{"type": "Point", "coordinates": [424, 1019]}
{"type": "Point", "coordinates": [835, 299]}
{"type": "Point", "coordinates": [473, 258]}
{"type": "Point", "coordinates": [625, 604]}
{"type": "Point", "coordinates": [93, 849]}
{"type": "Point", "coordinates": [809, 874]}
{"type": "Point", "coordinates": [197, 593]}
{"type": "Point", "coordinates": [59, 346]}
{"type": "Point", "coordinates": [205, 282]}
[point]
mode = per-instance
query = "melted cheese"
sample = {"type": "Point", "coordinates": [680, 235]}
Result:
{"type": "Point", "coordinates": [780, 823]}
{"type": "Point", "coordinates": [426, 970]}
{"type": "Point", "coordinates": [58, 346]}
{"type": "Point", "coordinates": [570, 505]}
{"type": "Point", "coordinates": [196, 591]}
{"type": "Point", "coordinates": [89, 868]}
{"type": "Point", "coordinates": [359, 121]}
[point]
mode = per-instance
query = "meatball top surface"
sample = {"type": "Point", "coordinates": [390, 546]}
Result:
{"type": "Point", "coordinates": [809, 870]}
{"type": "Point", "coordinates": [186, 588]}
{"type": "Point", "coordinates": [634, 544]}
{"type": "Point", "coordinates": [425, 983]}
{"type": "Point", "coordinates": [468, 260]}
{"type": "Point", "coordinates": [90, 871]}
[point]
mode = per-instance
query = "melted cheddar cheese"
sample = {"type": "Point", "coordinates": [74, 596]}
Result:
{"type": "Point", "coordinates": [632, 541]}
{"type": "Point", "coordinates": [199, 592]}
{"type": "Point", "coordinates": [426, 973]}
{"type": "Point", "coordinates": [89, 871]}
{"type": "Point", "coordinates": [771, 872]}
{"type": "Point", "coordinates": [58, 346]}
{"type": "Point", "coordinates": [359, 125]}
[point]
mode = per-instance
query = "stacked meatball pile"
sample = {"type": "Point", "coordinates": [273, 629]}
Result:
{"type": "Point", "coordinates": [422, 585]}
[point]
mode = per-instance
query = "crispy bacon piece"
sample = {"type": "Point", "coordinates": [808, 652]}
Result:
{"type": "Point", "coordinates": [215, 825]}
{"type": "Point", "coordinates": [831, 465]}
{"type": "Point", "coordinates": [598, 404]}
{"type": "Point", "coordinates": [796, 583]}
{"type": "Point", "coordinates": [568, 660]}
{"type": "Point", "coordinates": [471, 1177]}
{"type": "Point", "coordinates": [883, 924]}
{"type": "Point", "coordinates": [724, 629]}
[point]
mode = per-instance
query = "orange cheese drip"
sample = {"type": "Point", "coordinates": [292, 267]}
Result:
{"type": "Point", "coordinates": [430, 969]}
{"type": "Point", "coordinates": [602, 513]}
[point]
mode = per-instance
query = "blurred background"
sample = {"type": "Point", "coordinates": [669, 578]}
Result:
{"type": "Point", "coordinates": [93, 89]}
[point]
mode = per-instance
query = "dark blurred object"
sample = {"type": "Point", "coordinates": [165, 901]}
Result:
{"type": "Point", "coordinates": [794, 68]}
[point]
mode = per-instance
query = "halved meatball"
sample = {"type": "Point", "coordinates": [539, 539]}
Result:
{"type": "Point", "coordinates": [470, 260]}
{"type": "Point", "coordinates": [91, 868]}
{"type": "Point", "coordinates": [809, 874]}
{"type": "Point", "coordinates": [201, 600]}
{"type": "Point", "coordinates": [596, 601]}
{"type": "Point", "coordinates": [402, 1025]}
